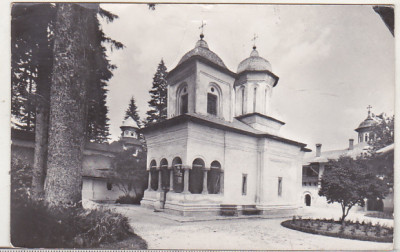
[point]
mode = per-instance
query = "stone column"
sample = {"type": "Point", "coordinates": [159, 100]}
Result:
{"type": "Point", "coordinates": [185, 180]}
{"type": "Point", "coordinates": [171, 180]}
{"type": "Point", "coordinates": [149, 186]}
{"type": "Point", "coordinates": [159, 181]}
{"type": "Point", "coordinates": [205, 189]}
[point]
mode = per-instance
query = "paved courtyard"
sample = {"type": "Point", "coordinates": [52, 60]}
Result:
{"type": "Point", "coordinates": [163, 231]}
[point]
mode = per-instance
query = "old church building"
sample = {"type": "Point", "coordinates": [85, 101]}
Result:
{"type": "Point", "coordinates": [220, 151]}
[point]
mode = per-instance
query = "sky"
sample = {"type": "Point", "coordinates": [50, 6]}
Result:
{"type": "Point", "coordinates": [332, 60]}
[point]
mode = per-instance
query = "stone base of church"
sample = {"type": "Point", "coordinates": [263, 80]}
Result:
{"type": "Point", "coordinates": [278, 211]}
{"type": "Point", "coordinates": [192, 205]}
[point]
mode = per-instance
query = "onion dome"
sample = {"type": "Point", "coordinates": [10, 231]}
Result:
{"type": "Point", "coordinates": [201, 49]}
{"type": "Point", "coordinates": [367, 123]}
{"type": "Point", "coordinates": [254, 63]}
{"type": "Point", "coordinates": [129, 123]}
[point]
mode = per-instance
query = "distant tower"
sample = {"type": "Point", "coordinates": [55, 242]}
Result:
{"type": "Point", "coordinates": [365, 127]}
{"type": "Point", "coordinates": [129, 136]}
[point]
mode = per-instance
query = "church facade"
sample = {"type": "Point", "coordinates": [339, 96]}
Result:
{"type": "Point", "coordinates": [219, 151]}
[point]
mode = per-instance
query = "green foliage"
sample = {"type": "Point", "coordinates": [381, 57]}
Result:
{"type": "Point", "coordinates": [21, 180]}
{"type": "Point", "coordinates": [349, 182]}
{"type": "Point", "coordinates": [158, 94]}
{"type": "Point", "coordinates": [128, 199]}
{"type": "Point", "coordinates": [383, 132]}
{"type": "Point", "coordinates": [132, 111]}
{"type": "Point", "coordinates": [32, 40]}
{"type": "Point", "coordinates": [130, 171]}
{"type": "Point", "coordinates": [36, 225]}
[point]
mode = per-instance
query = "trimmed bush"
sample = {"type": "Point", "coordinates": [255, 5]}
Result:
{"type": "Point", "coordinates": [368, 232]}
{"type": "Point", "coordinates": [128, 199]}
{"type": "Point", "coordinates": [36, 225]}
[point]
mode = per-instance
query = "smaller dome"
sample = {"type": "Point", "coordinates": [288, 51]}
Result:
{"type": "Point", "coordinates": [369, 122]}
{"type": "Point", "coordinates": [254, 63]}
{"type": "Point", "coordinates": [129, 122]}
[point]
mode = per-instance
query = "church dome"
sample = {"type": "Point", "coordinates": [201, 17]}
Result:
{"type": "Point", "coordinates": [254, 63]}
{"type": "Point", "coordinates": [367, 123]}
{"type": "Point", "coordinates": [201, 49]}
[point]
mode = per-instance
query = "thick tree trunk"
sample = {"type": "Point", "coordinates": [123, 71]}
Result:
{"type": "Point", "coordinates": [40, 156]}
{"type": "Point", "coordinates": [68, 105]}
{"type": "Point", "coordinates": [42, 121]}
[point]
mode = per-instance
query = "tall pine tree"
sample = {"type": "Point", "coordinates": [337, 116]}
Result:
{"type": "Point", "coordinates": [32, 44]}
{"type": "Point", "coordinates": [158, 92]}
{"type": "Point", "coordinates": [132, 111]}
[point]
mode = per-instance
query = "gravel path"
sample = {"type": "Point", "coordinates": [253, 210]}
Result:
{"type": "Point", "coordinates": [161, 232]}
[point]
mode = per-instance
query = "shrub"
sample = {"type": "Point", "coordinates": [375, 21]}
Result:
{"type": "Point", "coordinates": [36, 225]}
{"type": "Point", "coordinates": [128, 199]}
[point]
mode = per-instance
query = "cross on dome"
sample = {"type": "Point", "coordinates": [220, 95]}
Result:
{"type": "Point", "coordinates": [369, 109]}
{"type": "Point", "coordinates": [202, 29]}
{"type": "Point", "coordinates": [254, 40]}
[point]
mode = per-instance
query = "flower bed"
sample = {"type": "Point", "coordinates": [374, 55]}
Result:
{"type": "Point", "coordinates": [351, 230]}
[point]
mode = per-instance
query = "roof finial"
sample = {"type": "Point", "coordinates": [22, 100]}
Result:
{"type": "Point", "coordinates": [254, 41]}
{"type": "Point", "coordinates": [369, 110]}
{"type": "Point", "coordinates": [202, 29]}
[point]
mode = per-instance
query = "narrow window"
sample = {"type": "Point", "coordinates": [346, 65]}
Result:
{"type": "Point", "coordinates": [366, 138]}
{"type": "Point", "coordinates": [280, 186]}
{"type": "Point", "coordinates": [254, 99]}
{"type": "Point", "coordinates": [184, 104]}
{"type": "Point", "coordinates": [244, 184]}
{"type": "Point", "coordinates": [109, 186]}
{"type": "Point", "coordinates": [212, 104]}
{"type": "Point", "coordinates": [242, 100]}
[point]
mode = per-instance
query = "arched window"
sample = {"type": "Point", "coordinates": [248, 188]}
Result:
{"type": "Point", "coordinates": [154, 175]}
{"type": "Point", "coordinates": [214, 178]}
{"type": "Point", "coordinates": [196, 176]}
{"type": "Point", "coordinates": [164, 174]}
{"type": "Point", "coordinates": [182, 99]}
{"type": "Point", "coordinates": [178, 174]}
{"type": "Point", "coordinates": [213, 99]}
{"type": "Point", "coordinates": [307, 200]}
{"type": "Point", "coordinates": [366, 137]}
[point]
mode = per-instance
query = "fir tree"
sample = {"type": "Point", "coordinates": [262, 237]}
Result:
{"type": "Point", "coordinates": [158, 101]}
{"type": "Point", "coordinates": [132, 111]}
{"type": "Point", "coordinates": [32, 44]}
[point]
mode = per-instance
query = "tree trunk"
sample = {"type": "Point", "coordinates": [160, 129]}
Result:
{"type": "Point", "coordinates": [42, 120]}
{"type": "Point", "coordinates": [68, 105]}
{"type": "Point", "coordinates": [40, 156]}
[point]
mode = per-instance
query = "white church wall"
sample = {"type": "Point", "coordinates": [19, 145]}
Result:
{"type": "Point", "coordinates": [207, 75]}
{"type": "Point", "coordinates": [241, 159]}
{"type": "Point", "coordinates": [167, 143]}
{"type": "Point", "coordinates": [185, 76]}
{"type": "Point", "coordinates": [282, 161]}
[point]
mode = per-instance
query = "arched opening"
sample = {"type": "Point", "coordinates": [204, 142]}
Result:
{"type": "Point", "coordinates": [214, 178]}
{"type": "Point", "coordinates": [164, 174]}
{"type": "Point", "coordinates": [213, 99]}
{"type": "Point", "coordinates": [307, 200]}
{"type": "Point", "coordinates": [196, 176]}
{"type": "Point", "coordinates": [178, 174]}
{"type": "Point", "coordinates": [182, 99]}
{"type": "Point", "coordinates": [154, 175]}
